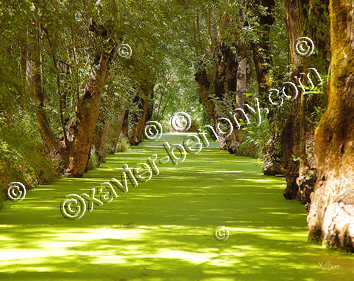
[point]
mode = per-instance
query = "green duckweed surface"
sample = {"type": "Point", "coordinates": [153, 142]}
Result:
{"type": "Point", "coordinates": [163, 229]}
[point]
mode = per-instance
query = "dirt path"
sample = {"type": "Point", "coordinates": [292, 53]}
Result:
{"type": "Point", "coordinates": [163, 229]}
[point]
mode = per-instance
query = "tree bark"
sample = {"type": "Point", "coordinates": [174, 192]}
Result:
{"type": "Point", "coordinates": [261, 51]}
{"type": "Point", "coordinates": [28, 66]}
{"type": "Point", "coordinates": [303, 18]}
{"type": "Point", "coordinates": [100, 139]}
{"type": "Point", "coordinates": [239, 73]}
{"type": "Point", "coordinates": [52, 144]}
{"type": "Point", "coordinates": [203, 88]}
{"type": "Point", "coordinates": [262, 61]}
{"type": "Point", "coordinates": [136, 135]}
{"type": "Point", "coordinates": [150, 108]}
{"type": "Point", "coordinates": [331, 213]}
{"type": "Point", "coordinates": [238, 76]}
{"type": "Point", "coordinates": [125, 125]}
{"type": "Point", "coordinates": [224, 84]}
{"type": "Point", "coordinates": [87, 113]}
{"type": "Point", "coordinates": [114, 132]}
{"type": "Point", "coordinates": [73, 153]}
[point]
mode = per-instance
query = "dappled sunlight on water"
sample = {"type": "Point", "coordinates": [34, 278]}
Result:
{"type": "Point", "coordinates": [163, 229]}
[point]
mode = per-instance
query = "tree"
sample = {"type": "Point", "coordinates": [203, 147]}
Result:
{"type": "Point", "coordinates": [90, 37]}
{"type": "Point", "coordinates": [74, 149]}
{"type": "Point", "coordinates": [331, 213]}
{"type": "Point", "coordinates": [224, 71]}
{"type": "Point", "coordinates": [297, 138]}
{"type": "Point", "coordinates": [142, 100]}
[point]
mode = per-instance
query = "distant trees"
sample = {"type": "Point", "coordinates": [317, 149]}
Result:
{"type": "Point", "coordinates": [71, 67]}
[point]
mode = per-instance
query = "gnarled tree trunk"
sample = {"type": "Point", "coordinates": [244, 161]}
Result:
{"type": "Point", "coordinates": [54, 147]}
{"type": "Point", "coordinates": [331, 217]}
{"type": "Point", "coordinates": [302, 20]}
{"type": "Point", "coordinates": [73, 154]}
{"type": "Point", "coordinates": [262, 61]}
{"type": "Point", "coordinates": [150, 108]}
{"type": "Point", "coordinates": [225, 85]}
{"type": "Point", "coordinates": [240, 83]}
{"type": "Point", "coordinates": [261, 51]}
{"type": "Point", "coordinates": [87, 114]}
{"type": "Point", "coordinates": [203, 88]}
{"type": "Point", "coordinates": [136, 135]}
{"type": "Point", "coordinates": [114, 132]}
{"type": "Point", "coordinates": [100, 139]}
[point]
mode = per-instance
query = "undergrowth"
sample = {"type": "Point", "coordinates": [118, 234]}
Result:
{"type": "Point", "coordinates": [123, 144]}
{"type": "Point", "coordinates": [21, 155]}
{"type": "Point", "coordinates": [93, 162]}
{"type": "Point", "coordinates": [255, 137]}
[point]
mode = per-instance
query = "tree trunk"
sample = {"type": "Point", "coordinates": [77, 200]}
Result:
{"type": "Point", "coordinates": [114, 132]}
{"type": "Point", "coordinates": [87, 114]}
{"type": "Point", "coordinates": [28, 86]}
{"type": "Point", "coordinates": [125, 125]}
{"type": "Point", "coordinates": [261, 58]}
{"type": "Point", "coordinates": [100, 140]}
{"type": "Point", "coordinates": [303, 18]}
{"type": "Point", "coordinates": [242, 79]}
{"type": "Point", "coordinates": [52, 145]}
{"type": "Point", "coordinates": [261, 51]}
{"type": "Point", "coordinates": [238, 80]}
{"type": "Point", "coordinates": [136, 135]}
{"type": "Point", "coordinates": [75, 154]}
{"type": "Point", "coordinates": [331, 213]}
{"type": "Point", "coordinates": [150, 109]}
{"type": "Point", "coordinates": [224, 83]}
{"type": "Point", "coordinates": [203, 88]}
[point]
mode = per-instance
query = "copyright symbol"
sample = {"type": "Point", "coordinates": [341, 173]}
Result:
{"type": "Point", "coordinates": [67, 210]}
{"type": "Point", "coordinates": [16, 191]}
{"type": "Point", "coordinates": [221, 233]}
{"type": "Point", "coordinates": [125, 51]}
{"type": "Point", "coordinates": [153, 130]}
{"type": "Point", "coordinates": [181, 121]}
{"type": "Point", "coordinates": [304, 46]}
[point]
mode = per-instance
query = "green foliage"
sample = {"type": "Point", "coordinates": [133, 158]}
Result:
{"type": "Point", "coordinates": [319, 94]}
{"type": "Point", "coordinates": [317, 28]}
{"type": "Point", "coordinates": [260, 162]}
{"type": "Point", "coordinates": [317, 115]}
{"type": "Point", "coordinates": [166, 53]}
{"type": "Point", "coordinates": [2, 198]}
{"type": "Point", "coordinates": [21, 154]}
{"type": "Point", "coordinates": [123, 144]}
{"type": "Point", "coordinates": [295, 159]}
{"type": "Point", "coordinates": [93, 162]}
{"type": "Point", "coordinates": [194, 125]}
{"type": "Point", "coordinates": [279, 46]}
{"type": "Point", "coordinates": [255, 137]}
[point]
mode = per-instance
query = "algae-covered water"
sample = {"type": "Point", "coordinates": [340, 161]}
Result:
{"type": "Point", "coordinates": [163, 229]}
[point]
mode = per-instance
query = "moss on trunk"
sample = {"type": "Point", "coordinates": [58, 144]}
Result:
{"type": "Point", "coordinates": [331, 217]}
{"type": "Point", "coordinates": [303, 18]}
